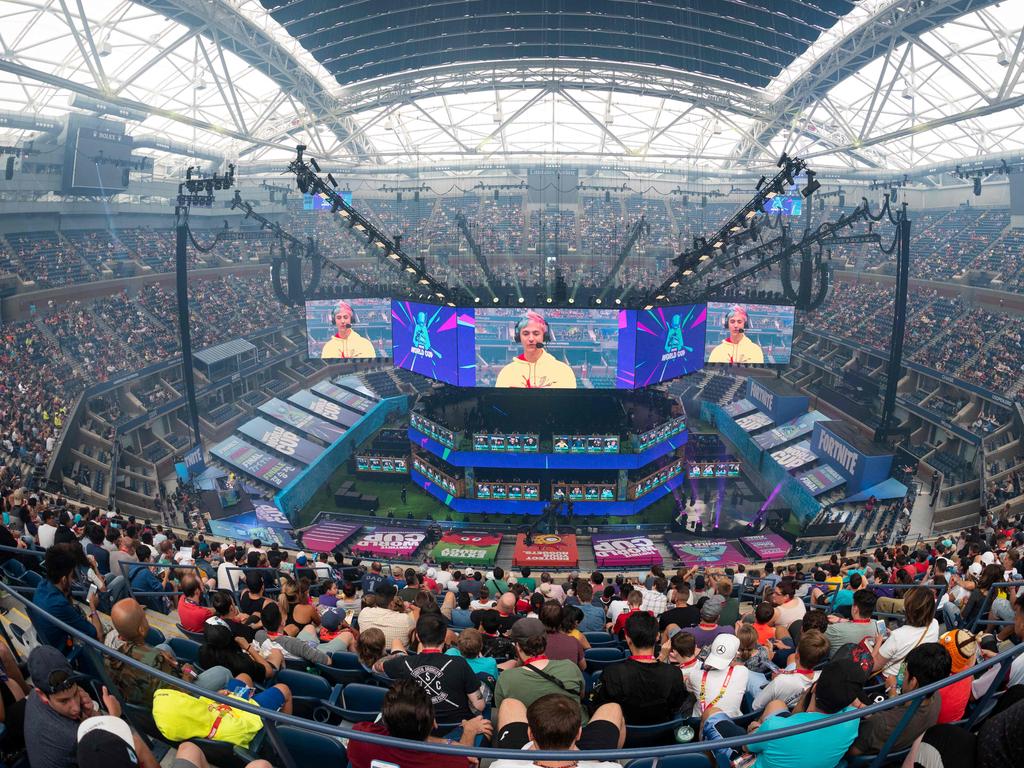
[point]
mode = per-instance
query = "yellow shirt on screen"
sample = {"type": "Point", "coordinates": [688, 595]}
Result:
{"type": "Point", "coordinates": [354, 346]}
{"type": "Point", "coordinates": [547, 373]}
{"type": "Point", "coordinates": [744, 351]}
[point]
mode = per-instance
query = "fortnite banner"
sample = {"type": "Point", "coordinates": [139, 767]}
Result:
{"type": "Point", "coordinates": [800, 426]}
{"type": "Point", "coordinates": [254, 462]}
{"type": "Point", "coordinates": [860, 462]}
{"type": "Point", "coordinates": [693, 552]}
{"type": "Point", "coordinates": [777, 399]}
{"type": "Point", "coordinates": [754, 421]}
{"type": "Point", "coordinates": [326, 536]}
{"type": "Point", "coordinates": [281, 440]}
{"type": "Point", "coordinates": [546, 549]}
{"type": "Point", "coordinates": [820, 479]}
{"type": "Point", "coordinates": [613, 550]}
{"type": "Point", "coordinates": [739, 408]}
{"type": "Point", "coordinates": [301, 420]}
{"type": "Point", "coordinates": [792, 457]}
{"type": "Point", "coordinates": [350, 400]}
{"type": "Point", "coordinates": [388, 543]}
{"type": "Point", "coordinates": [321, 406]}
{"type": "Point", "coordinates": [767, 546]}
{"type": "Point", "coordinates": [474, 548]}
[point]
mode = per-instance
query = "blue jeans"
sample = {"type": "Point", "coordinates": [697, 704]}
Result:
{"type": "Point", "coordinates": [950, 614]}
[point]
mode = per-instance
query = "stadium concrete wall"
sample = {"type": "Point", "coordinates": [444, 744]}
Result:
{"type": "Point", "coordinates": [299, 491]}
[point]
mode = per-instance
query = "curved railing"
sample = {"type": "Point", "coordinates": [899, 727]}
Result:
{"type": "Point", "coordinates": [272, 719]}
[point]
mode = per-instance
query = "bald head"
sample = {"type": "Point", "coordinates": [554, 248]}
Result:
{"type": "Point", "coordinates": [507, 603]}
{"type": "Point", "coordinates": [129, 619]}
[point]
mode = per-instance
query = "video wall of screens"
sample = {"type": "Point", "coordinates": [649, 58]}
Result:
{"type": "Point", "coordinates": [510, 491]}
{"type": "Point", "coordinates": [666, 342]}
{"type": "Point", "coordinates": [514, 443]}
{"type": "Point", "coordinates": [583, 492]}
{"type": "Point", "coordinates": [708, 470]}
{"type": "Point", "coordinates": [549, 347]}
{"type": "Point", "coordinates": [787, 205]}
{"type": "Point", "coordinates": [426, 340]}
{"type": "Point", "coordinates": [432, 429]}
{"type": "Point", "coordinates": [586, 443]}
{"type": "Point", "coordinates": [450, 483]}
{"type": "Point", "coordinates": [743, 334]}
{"type": "Point", "coordinates": [338, 329]}
{"type": "Point", "coordinates": [389, 465]}
{"type": "Point", "coordinates": [659, 477]}
{"type": "Point", "coordinates": [661, 432]}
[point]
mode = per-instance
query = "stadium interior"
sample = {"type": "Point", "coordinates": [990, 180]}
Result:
{"type": "Point", "coordinates": [279, 278]}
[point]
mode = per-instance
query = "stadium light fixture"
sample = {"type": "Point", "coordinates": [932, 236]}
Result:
{"type": "Point", "coordinates": [549, 299]}
{"type": "Point", "coordinates": [411, 270]}
{"type": "Point", "coordinates": [521, 299]}
{"type": "Point", "coordinates": [648, 307]}
{"type": "Point", "coordinates": [572, 300]}
{"type": "Point", "coordinates": [476, 299]}
{"type": "Point", "coordinates": [494, 300]}
{"type": "Point", "coordinates": [597, 300]}
{"type": "Point", "coordinates": [618, 302]}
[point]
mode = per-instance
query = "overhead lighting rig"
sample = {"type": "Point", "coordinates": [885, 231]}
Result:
{"type": "Point", "coordinates": [310, 183]}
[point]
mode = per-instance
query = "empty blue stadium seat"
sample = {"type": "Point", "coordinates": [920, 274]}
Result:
{"type": "Point", "coordinates": [359, 703]}
{"type": "Point", "coordinates": [315, 749]}
{"type": "Point", "coordinates": [599, 658]}
{"type": "Point", "coordinates": [184, 650]}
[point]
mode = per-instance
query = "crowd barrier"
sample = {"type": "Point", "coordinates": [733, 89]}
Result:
{"type": "Point", "coordinates": [274, 721]}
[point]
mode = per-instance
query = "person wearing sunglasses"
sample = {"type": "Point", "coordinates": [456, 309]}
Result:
{"type": "Point", "coordinates": [55, 708]}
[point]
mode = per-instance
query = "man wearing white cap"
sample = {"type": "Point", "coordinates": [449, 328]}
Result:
{"type": "Point", "coordinates": [718, 683]}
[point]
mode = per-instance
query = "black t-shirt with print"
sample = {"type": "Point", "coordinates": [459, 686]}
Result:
{"type": "Point", "coordinates": [448, 680]}
{"type": "Point", "coordinates": [688, 616]}
{"type": "Point", "coordinates": [647, 692]}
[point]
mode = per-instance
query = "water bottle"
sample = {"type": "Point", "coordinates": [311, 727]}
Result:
{"type": "Point", "coordinates": [685, 733]}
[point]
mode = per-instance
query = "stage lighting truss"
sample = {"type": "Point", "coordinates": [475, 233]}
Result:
{"type": "Point", "coordinates": [309, 183]}
{"type": "Point", "coordinates": [741, 228]}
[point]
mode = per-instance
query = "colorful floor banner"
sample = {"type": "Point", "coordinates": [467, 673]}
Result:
{"type": "Point", "coordinates": [247, 527]}
{"type": "Point", "coordinates": [474, 548]}
{"type": "Point", "coordinates": [716, 552]}
{"type": "Point", "coordinates": [327, 535]}
{"type": "Point", "coordinates": [547, 550]}
{"type": "Point", "coordinates": [614, 550]}
{"type": "Point", "coordinates": [388, 543]}
{"type": "Point", "coordinates": [767, 546]}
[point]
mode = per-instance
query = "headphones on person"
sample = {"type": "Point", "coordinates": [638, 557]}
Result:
{"type": "Point", "coordinates": [730, 313]}
{"type": "Point", "coordinates": [523, 322]}
{"type": "Point", "coordinates": [353, 320]}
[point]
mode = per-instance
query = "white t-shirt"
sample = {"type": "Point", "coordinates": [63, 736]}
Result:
{"type": "Point", "coordinates": [788, 686]}
{"type": "Point", "coordinates": [529, 763]}
{"type": "Point", "coordinates": [905, 639]}
{"type": "Point", "coordinates": [442, 578]}
{"type": "Point", "coordinates": [228, 580]}
{"type": "Point", "coordinates": [731, 700]}
{"type": "Point", "coordinates": [45, 535]}
{"type": "Point", "coordinates": [615, 607]}
{"type": "Point", "coordinates": [1016, 672]}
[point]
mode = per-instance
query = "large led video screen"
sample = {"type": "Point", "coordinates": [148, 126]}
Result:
{"type": "Point", "coordinates": [747, 334]}
{"type": "Point", "coordinates": [660, 344]}
{"type": "Point", "coordinates": [426, 340]}
{"type": "Point", "coordinates": [552, 348]}
{"type": "Point", "coordinates": [338, 329]}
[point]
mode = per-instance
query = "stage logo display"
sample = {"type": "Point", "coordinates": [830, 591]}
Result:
{"type": "Point", "coordinates": [328, 535]}
{"type": "Point", "coordinates": [281, 440]}
{"type": "Point", "coordinates": [767, 546]}
{"type": "Point", "coordinates": [547, 549]}
{"type": "Point", "coordinates": [705, 552]}
{"type": "Point", "coordinates": [617, 551]}
{"type": "Point", "coordinates": [660, 344]}
{"type": "Point", "coordinates": [473, 548]}
{"type": "Point", "coordinates": [424, 339]}
{"type": "Point", "coordinates": [254, 462]}
{"type": "Point", "coordinates": [388, 543]}
{"type": "Point", "coordinates": [306, 422]}
{"type": "Point", "coordinates": [338, 329]}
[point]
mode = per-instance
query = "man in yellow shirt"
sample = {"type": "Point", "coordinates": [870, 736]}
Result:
{"type": "Point", "coordinates": [736, 348]}
{"type": "Point", "coordinates": [346, 342]}
{"type": "Point", "coordinates": [535, 368]}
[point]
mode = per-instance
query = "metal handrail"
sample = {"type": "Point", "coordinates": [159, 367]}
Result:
{"type": "Point", "coordinates": [273, 719]}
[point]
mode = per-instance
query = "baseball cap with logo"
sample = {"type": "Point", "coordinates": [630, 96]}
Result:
{"type": "Point", "coordinates": [723, 651]}
{"type": "Point", "coordinates": [975, 569]}
{"type": "Point", "coordinates": [332, 619]}
{"type": "Point", "coordinates": [106, 742]}
{"type": "Point", "coordinates": [50, 671]}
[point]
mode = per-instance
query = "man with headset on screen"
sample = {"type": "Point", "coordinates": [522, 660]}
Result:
{"type": "Point", "coordinates": [346, 342]}
{"type": "Point", "coordinates": [736, 348]}
{"type": "Point", "coordinates": [535, 368]}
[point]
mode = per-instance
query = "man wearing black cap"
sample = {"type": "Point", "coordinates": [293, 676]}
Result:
{"type": "Point", "coordinates": [55, 709]}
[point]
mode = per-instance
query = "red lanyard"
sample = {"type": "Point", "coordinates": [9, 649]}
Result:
{"type": "Point", "coordinates": [430, 650]}
{"type": "Point", "coordinates": [687, 664]}
{"type": "Point", "coordinates": [532, 659]}
{"type": "Point", "coordinates": [807, 672]}
{"type": "Point", "coordinates": [721, 691]}
{"type": "Point", "coordinates": [642, 657]}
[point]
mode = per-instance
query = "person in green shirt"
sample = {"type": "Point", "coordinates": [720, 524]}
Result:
{"type": "Point", "coordinates": [526, 580]}
{"type": "Point", "coordinates": [496, 585]}
{"type": "Point", "coordinates": [538, 676]}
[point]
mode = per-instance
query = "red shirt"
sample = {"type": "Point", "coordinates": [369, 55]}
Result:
{"type": "Point", "coordinates": [620, 623]}
{"type": "Point", "coordinates": [361, 753]}
{"type": "Point", "coordinates": [954, 699]}
{"type": "Point", "coordinates": [191, 616]}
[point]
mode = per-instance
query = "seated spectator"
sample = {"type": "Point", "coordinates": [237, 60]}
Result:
{"type": "Point", "coordinates": [57, 706]}
{"type": "Point", "coordinates": [549, 589]}
{"type": "Point", "coordinates": [755, 657]}
{"type": "Point", "coordinates": [272, 636]}
{"type": "Point", "coordinates": [13, 693]}
{"type": "Point", "coordinates": [297, 607]}
{"type": "Point", "coordinates": [708, 629]}
{"type": "Point", "coordinates": [719, 683]}
{"type": "Point", "coordinates": [538, 675]}
{"type": "Point", "coordinates": [762, 623]}
{"type": "Point", "coordinates": [790, 685]}
{"type": "Point", "coordinates": [920, 628]}
{"type": "Point", "coordinates": [560, 645]}
{"type": "Point", "coordinates": [95, 549]}
{"type": "Point", "coordinates": [788, 607]}
{"type": "Point", "coordinates": [191, 615]}
{"type": "Point", "coordinates": [554, 722]}
{"type": "Point", "coordinates": [408, 713]}
{"type": "Point", "coordinates": [648, 690]}
{"type": "Point", "coordinates": [926, 664]}
{"type": "Point", "coordinates": [335, 634]}
{"type": "Point", "coordinates": [129, 637]}
{"type": "Point", "coordinates": [147, 580]}
{"type": "Point", "coordinates": [730, 612]}
{"type": "Point", "coordinates": [253, 597]}
{"type": "Point", "coordinates": [394, 622]}
{"type": "Point", "coordinates": [634, 600]}
{"type": "Point", "coordinates": [222, 649]}
{"type": "Point", "coordinates": [496, 645]}
{"type": "Point", "coordinates": [452, 683]}
{"type": "Point", "coordinates": [682, 614]}
{"type": "Point", "coordinates": [963, 651]}
{"type": "Point", "coordinates": [370, 647]}
{"type": "Point", "coordinates": [842, 632]}
{"type": "Point", "coordinates": [53, 596]}
{"type": "Point", "coordinates": [593, 615]}
{"type": "Point", "coordinates": [470, 646]}
{"type": "Point", "coordinates": [224, 608]}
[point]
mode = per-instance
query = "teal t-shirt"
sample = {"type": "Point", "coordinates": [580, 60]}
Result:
{"type": "Point", "coordinates": [480, 664]}
{"type": "Point", "coordinates": [842, 597]}
{"type": "Point", "coordinates": [822, 748]}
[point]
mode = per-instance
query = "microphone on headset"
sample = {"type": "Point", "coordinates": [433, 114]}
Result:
{"type": "Point", "coordinates": [346, 325]}
{"type": "Point", "coordinates": [539, 345]}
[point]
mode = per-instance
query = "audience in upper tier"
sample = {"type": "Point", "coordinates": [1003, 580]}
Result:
{"type": "Point", "coordinates": [537, 682]}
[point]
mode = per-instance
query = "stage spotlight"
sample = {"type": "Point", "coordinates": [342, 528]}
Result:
{"type": "Point", "coordinates": [494, 300]}
{"type": "Point", "coordinates": [521, 299]}
{"type": "Point", "coordinates": [977, 186]}
{"type": "Point", "coordinates": [572, 300]}
{"type": "Point", "coordinates": [598, 301]}
{"type": "Point", "coordinates": [476, 299]}
{"type": "Point", "coordinates": [549, 299]}
{"type": "Point", "coordinates": [618, 302]}
{"type": "Point", "coordinates": [813, 185]}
